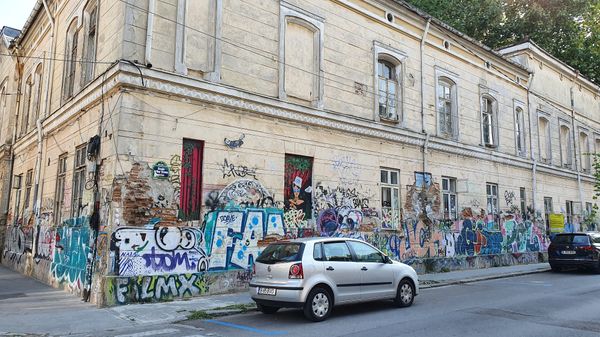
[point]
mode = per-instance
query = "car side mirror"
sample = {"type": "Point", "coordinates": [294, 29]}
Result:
{"type": "Point", "coordinates": [386, 259]}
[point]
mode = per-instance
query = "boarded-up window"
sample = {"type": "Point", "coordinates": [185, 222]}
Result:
{"type": "Point", "coordinates": [190, 194]}
{"type": "Point", "coordinates": [544, 140]}
{"type": "Point", "coordinates": [584, 148]}
{"type": "Point", "coordinates": [301, 60]}
{"type": "Point", "coordinates": [199, 30]}
{"type": "Point", "coordinates": [565, 146]}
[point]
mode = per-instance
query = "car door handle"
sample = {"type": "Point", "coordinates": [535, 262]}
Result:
{"type": "Point", "coordinates": [330, 268]}
{"type": "Point", "coordinates": [364, 269]}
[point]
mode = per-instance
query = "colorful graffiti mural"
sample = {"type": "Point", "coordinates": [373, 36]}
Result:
{"type": "Point", "coordinates": [298, 190]}
{"type": "Point", "coordinates": [71, 250]}
{"type": "Point", "coordinates": [140, 251]}
{"type": "Point", "coordinates": [125, 290]}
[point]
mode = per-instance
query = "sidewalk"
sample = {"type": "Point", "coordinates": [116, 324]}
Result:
{"type": "Point", "coordinates": [179, 310]}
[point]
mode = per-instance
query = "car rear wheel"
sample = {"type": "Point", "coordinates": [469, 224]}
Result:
{"type": "Point", "coordinates": [265, 309]}
{"type": "Point", "coordinates": [597, 268]}
{"type": "Point", "coordinates": [318, 305]}
{"type": "Point", "coordinates": [555, 268]}
{"type": "Point", "coordinates": [405, 295]}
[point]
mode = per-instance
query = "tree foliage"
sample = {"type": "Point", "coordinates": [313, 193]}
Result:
{"type": "Point", "coordinates": [567, 29]}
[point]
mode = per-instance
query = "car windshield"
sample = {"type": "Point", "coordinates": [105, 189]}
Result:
{"type": "Point", "coordinates": [281, 252]}
{"type": "Point", "coordinates": [575, 239]}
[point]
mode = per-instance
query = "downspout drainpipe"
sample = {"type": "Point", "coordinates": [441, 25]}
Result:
{"type": "Point", "coordinates": [426, 142]}
{"type": "Point", "coordinates": [579, 185]}
{"type": "Point", "coordinates": [14, 136]}
{"type": "Point", "coordinates": [531, 153]}
{"type": "Point", "coordinates": [40, 133]}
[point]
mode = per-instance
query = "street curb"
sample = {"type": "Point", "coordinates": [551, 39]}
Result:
{"type": "Point", "coordinates": [483, 278]}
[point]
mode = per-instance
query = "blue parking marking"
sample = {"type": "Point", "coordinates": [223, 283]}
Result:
{"type": "Point", "coordinates": [247, 328]}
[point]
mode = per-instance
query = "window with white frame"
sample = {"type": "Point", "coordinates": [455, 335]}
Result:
{"type": "Point", "coordinates": [446, 107]}
{"type": "Point", "coordinates": [569, 211]}
{"type": "Point", "coordinates": [449, 198]}
{"type": "Point", "coordinates": [565, 147]}
{"type": "Point", "coordinates": [520, 132]}
{"type": "Point", "coordinates": [70, 65]}
{"type": "Point", "coordinates": [584, 151]}
{"type": "Point", "coordinates": [390, 198]}
{"type": "Point", "coordinates": [388, 87]}
{"type": "Point", "coordinates": [544, 140]}
{"type": "Point", "coordinates": [91, 22]}
{"type": "Point", "coordinates": [489, 115]}
{"type": "Point", "coordinates": [493, 205]}
{"type": "Point", "coordinates": [78, 180]}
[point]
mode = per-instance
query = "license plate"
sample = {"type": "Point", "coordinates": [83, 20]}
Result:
{"type": "Point", "coordinates": [568, 252]}
{"type": "Point", "coordinates": [267, 291]}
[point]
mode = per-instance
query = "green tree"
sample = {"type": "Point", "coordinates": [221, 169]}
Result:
{"type": "Point", "coordinates": [567, 29]}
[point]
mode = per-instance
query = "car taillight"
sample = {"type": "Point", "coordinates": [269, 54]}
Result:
{"type": "Point", "coordinates": [253, 269]}
{"type": "Point", "coordinates": [296, 271]}
{"type": "Point", "coordinates": [586, 248]}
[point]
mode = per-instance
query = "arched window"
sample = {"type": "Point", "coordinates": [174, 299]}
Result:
{"type": "Point", "coordinates": [520, 132]}
{"type": "Point", "coordinates": [388, 87]}
{"type": "Point", "coordinates": [566, 154]}
{"type": "Point", "coordinates": [446, 107]}
{"type": "Point", "coordinates": [91, 24]}
{"type": "Point", "coordinates": [70, 66]}
{"type": "Point", "coordinates": [489, 121]}
{"type": "Point", "coordinates": [544, 140]}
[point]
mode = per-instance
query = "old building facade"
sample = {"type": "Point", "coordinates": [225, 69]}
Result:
{"type": "Point", "coordinates": [157, 145]}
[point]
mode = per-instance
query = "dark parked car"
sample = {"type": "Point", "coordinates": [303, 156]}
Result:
{"type": "Point", "coordinates": [580, 250]}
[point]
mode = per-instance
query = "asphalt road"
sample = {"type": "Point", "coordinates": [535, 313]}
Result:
{"type": "Point", "coordinates": [546, 304]}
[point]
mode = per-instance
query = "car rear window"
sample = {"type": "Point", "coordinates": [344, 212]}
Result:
{"type": "Point", "coordinates": [575, 239]}
{"type": "Point", "coordinates": [281, 252]}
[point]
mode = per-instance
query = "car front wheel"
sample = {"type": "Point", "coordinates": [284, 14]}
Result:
{"type": "Point", "coordinates": [318, 305]}
{"type": "Point", "coordinates": [405, 294]}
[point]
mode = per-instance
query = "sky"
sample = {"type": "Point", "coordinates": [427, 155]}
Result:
{"type": "Point", "coordinates": [14, 13]}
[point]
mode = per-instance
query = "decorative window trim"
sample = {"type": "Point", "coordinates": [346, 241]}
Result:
{"type": "Point", "coordinates": [89, 65]}
{"type": "Point", "coordinates": [520, 105]}
{"type": "Point", "coordinates": [398, 59]}
{"type": "Point", "coordinates": [215, 43]}
{"type": "Point", "coordinates": [72, 34]}
{"type": "Point", "coordinates": [583, 157]}
{"type": "Point", "coordinates": [569, 146]}
{"type": "Point", "coordinates": [311, 21]}
{"type": "Point", "coordinates": [454, 77]}
{"type": "Point", "coordinates": [495, 134]}
{"type": "Point", "coordinates": [546, 116]}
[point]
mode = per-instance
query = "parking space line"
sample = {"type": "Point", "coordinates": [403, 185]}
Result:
{"type": "Point", "coordinates": [150, 333]}
{"type": "Point", "coordinates": [247, 328]}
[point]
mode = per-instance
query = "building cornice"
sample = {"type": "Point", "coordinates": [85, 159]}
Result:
{"type": "Point", "coordinates": [126, 76]}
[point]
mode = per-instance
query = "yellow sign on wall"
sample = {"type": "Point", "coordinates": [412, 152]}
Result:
{"type": "Point", "coordinates": [557, 223]}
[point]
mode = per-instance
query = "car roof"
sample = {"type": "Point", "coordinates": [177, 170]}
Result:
{"type": "Point", "coordinates": [317, 239]}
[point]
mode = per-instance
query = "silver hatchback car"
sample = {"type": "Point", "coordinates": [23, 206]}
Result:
{"type": "Point", "coordinates": [317, 273]}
